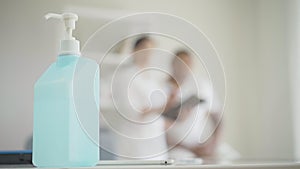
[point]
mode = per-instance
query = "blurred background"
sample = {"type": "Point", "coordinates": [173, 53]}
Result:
{"type": "Point", "coordinates": [258, 42]}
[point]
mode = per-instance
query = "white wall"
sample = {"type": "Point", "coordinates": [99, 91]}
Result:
{"type": "Point", "coordinates": [276, 112]}
{"type": "Point", "coordinates": [249, 35]}
{"type": "Point", "coordinates": [27, 48]}
{"type": "Point", "coordinates": [294, 62]}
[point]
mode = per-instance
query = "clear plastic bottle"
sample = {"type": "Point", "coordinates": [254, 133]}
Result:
{"type": "Point", "coordinates": [66, 107]}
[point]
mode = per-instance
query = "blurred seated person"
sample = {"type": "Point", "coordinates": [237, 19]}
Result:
{"type": "Point", "coordinates": [141, 133]}
{"type": "Point", "coordinates": [196, 130]}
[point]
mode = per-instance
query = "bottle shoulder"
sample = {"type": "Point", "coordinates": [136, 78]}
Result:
{"type": "Point", "coordinates": [56, 74]}
{"type": "Point", "coordinates": [88, 61]}
{"type": "Point", "coordinates": [66, 68]}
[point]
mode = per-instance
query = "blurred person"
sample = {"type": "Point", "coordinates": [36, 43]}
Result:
{"type": "Point", "coordinates": [137, 91]}
{"type": "Point", "coordinates": [196, 131]}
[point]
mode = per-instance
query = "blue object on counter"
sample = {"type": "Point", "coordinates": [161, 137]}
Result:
{"type": "Point", "coordinates": [66, 109]}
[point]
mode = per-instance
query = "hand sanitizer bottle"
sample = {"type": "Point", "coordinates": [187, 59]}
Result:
{"type": "Point", "coordinates": [66, 107]}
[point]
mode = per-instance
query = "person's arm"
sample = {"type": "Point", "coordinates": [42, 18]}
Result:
{"type": "Point", "coordinates": [208, 148]}
{"type": "Point", "coordinates": [170, 103]}
{"type": "Point", "coordinates": [147, 111]}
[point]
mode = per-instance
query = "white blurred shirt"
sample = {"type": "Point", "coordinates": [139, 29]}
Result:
{"type": "Point", "coordinates": [141, 137]}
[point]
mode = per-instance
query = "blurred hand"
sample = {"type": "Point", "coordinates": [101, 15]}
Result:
{"type": "Point", "coordinates": [208, 149]}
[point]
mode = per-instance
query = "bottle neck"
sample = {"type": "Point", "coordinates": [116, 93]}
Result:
{"type": "Point", "coordinates": [69, 47]}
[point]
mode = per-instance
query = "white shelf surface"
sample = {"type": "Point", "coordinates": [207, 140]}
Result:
{"type": "Point", "coordinates": [229, 166]}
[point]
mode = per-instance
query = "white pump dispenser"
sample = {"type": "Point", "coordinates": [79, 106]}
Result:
{"type": "Point", "coordinates": [69, 45]}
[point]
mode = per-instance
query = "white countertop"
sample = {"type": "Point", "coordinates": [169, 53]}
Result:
{"type": "Point", "coordinates": [209, 166]}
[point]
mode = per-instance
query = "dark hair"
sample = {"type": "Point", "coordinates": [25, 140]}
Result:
{"type": "Point", "coordinates": [182, 52]}
{"type": "Point", "coordinates": [140, 40]}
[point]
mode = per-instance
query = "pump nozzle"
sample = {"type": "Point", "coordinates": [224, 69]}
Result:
{"type": "Point", "coordinates": [69, 44]}
{"type": "Point", "coordinates": [69, 20]}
